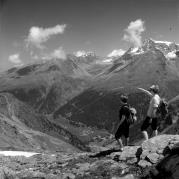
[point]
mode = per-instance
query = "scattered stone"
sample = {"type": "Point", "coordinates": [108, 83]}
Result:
{"type": "Point", "coordinates": [144, 163]}
{"type": "Point", "coordinates": [160, 151]}
{"type": "Point", "coordinates": [113, 155]}
{"type": "Point", "coordinates": [158, 142]}
{"type": "Point", "coordinates": [153, 157]}
{"type": "Point", "coordinates": [129, 176]}
{"type": "Point", "coordinates": [68, 176]}
{"type": "Point", "coordinates": [144, 154]}
{"type": "Point", "coordinates": [132, 161]}
{"type": "Point", "coordinates": [136, 160]}
{"type": "Point", "coordinates": [129, 153]}
{"type": "Point", "coordinates": [168, 167]}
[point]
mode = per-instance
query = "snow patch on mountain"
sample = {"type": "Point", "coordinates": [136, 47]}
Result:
{"type": "Point", "coordinates": [82, 53]}
{"type": "Point", "coordinates": [163, 42]}
{"type": "Point", "coordinates": [17, 153]}
{"type": "Point", "coordinates": [136, 51]}
{"type": "Point", "coordinates": [108, 60]}
{"type": "Point", "coordinates": [79, 53]}
{"type": "Point", "coordinates": [171, 55]}
{"type": "Point", "coordinates": [116, 52]}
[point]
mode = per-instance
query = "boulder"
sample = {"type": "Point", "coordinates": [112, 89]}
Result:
{"type": "Point", "coordinates": [132, 162]}
{"type": "Point", "coordinates": [144, 164]}
{"type": "Point", "coordinates": [168, 167]}
{"type": "Point", "coordinates": [153, 157]}
{"type": "Point", "coordinates": [129, 153]}
{"type": "Point", "coordinates": [129, 176]}
{"type": "Point", "coordinates": [158, 145]}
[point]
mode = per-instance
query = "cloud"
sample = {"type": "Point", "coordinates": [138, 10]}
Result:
{"type": "Point", "coordinates": [58, 53]}
{"type": "Point", "coordinates": [15, 58]}
{"type": "Point", "coordinates": [39, 35]}
{"type": "Point", "coordinates": [134, 31]}
{"type": "Point", "coordinates": [114, 53]}
{"type": "Point", "coordinates": [171, 55]}
{"type": "Point", "coordinates": [80, 53]}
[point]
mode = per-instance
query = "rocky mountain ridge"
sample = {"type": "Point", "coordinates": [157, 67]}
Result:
{"type": "Point", "coordinates": [135, 162]}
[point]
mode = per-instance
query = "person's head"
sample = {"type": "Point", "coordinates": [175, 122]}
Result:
{"type": "Point", "coordinates": [124, 98]}
{"type": "Point", "coordinates": [154, 89]}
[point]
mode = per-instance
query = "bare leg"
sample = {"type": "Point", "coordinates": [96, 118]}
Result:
{"type": "Point", "coordinates": [145, 134]}
{"type": "Point", "coordinates": [119, 141]}
{"type": "Point", "coordinates": [126, 141]}
{"type": "Point", "coordinates": [155, 132]}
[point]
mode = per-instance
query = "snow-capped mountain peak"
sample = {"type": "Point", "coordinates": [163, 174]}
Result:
{"type": "Point", "coordinates": [162, 42]}
{"type": "Point", "coordinates": [108, 60]}
{"type": "Point", "coordinates": [164, 46]}
{"type": "Point", "coordinates": [135, 51]}
{"type": "Point", "coordinates": [116, 53]}
{"type": "Point", "coordinates": [84, 54]}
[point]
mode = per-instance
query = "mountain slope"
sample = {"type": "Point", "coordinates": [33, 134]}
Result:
{"type": "Point", "coordinates": [47, 85]}
{"type": "Point", "coordinates": [142, 70]}
{"type": "Point", "coordinates": [31, 129]}
{"type": "Point", "coordinates": [99, 105]}
{"type": "Point", "coordinates": [72, 99]}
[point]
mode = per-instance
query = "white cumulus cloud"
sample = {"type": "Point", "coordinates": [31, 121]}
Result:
{"type": "Point", "coordinates": [133, 33]}
{"type": "Point", "coordinates": [118, 52]}
{"type": "Point", "coordinates": [39, 35]}
{"type": "Point", "coordinates": [15, 58]}
{"type": "Point", "coordinates": [57, 53]}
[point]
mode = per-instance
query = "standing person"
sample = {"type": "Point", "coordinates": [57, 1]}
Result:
{"type": "Point", "coordinates": [123, 129]}
{"type": "Point", "coordinates": [151, 118]}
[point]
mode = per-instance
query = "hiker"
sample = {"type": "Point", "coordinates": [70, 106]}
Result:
{"type": "Point", "coordinates": [152, 118]}
{"type": "Point", "coordinates": [123, 129]}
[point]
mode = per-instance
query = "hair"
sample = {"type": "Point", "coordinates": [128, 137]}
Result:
{"type": "Point", "coordinates": [155, 89]}
{"type": "Point", "coordinates": [124, 98]}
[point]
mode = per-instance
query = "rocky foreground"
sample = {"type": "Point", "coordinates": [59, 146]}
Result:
{"type": "Point", "coordinates": [155, 158]}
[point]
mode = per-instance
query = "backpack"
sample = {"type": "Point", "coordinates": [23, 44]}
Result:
{"type": "Point", "coordinates": [162, 109]}
{"type": "Point", "coordinates": [132, 116]}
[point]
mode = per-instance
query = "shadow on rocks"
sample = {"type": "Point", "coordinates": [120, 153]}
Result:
{"type": "Point", "coordinates": [104, 153]}
{"type": "Point", "coordinates": [168, 167]}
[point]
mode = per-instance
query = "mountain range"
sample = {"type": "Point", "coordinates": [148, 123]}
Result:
{"type": "Point", "coordinates": [73, 103]}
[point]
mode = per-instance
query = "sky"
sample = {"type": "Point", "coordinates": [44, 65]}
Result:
{"type": "Point", "coordinates": [42, 29]}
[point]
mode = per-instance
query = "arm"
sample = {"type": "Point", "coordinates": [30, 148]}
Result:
{"type": "Point", "coordinates": [122, 120]}
{"type": "Point", "coordinates": [176, 98]}
{"type": "Point", "coordinates": [146, 91]}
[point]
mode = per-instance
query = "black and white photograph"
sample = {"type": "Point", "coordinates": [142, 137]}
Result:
{"type": "Point", "coordinates": [89, 89]}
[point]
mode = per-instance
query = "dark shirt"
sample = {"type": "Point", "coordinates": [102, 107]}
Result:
{"type": "Point", "coordinates": [124, 111]}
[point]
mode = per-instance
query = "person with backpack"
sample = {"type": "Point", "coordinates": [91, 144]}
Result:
{"type": "Point", "coordinates": [126, 118]}
{"type": "Point", "coordinates": [152, 117]}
